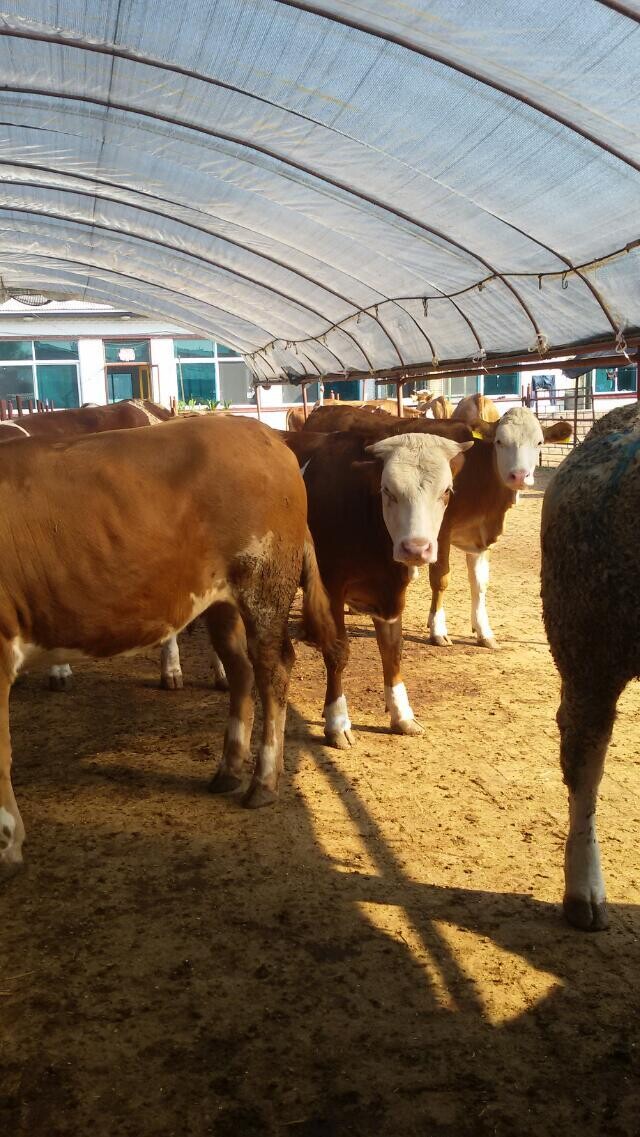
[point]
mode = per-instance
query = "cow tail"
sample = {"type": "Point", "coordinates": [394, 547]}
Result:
{"type": "Point", "coordinates": [317, 621]}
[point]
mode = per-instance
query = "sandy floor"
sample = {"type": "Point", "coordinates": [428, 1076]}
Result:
{"type": "Point", "coordinates": [380, 953]}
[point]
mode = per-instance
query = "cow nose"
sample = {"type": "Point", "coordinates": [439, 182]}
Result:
{"type": "Point", "coordinates": [518, 479]}
{"type": "Point", "coordinates": [417, 550]}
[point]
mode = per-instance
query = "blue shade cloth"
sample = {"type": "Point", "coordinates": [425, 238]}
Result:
{"type": "Point", "coordinates": [326, 191]}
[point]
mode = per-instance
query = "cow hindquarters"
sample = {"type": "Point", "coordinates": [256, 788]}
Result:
{"type": "Point", "coordinates": [585, 719]}
{"type": "Point", "coordinates": [11, 827]}
{"type": "Point", "coordinates": [478, 567]}
{"type": "Point", "coordinates": [389, 637]}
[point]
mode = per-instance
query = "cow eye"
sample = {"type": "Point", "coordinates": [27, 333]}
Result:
{"type": "Point", "coordinates": [389, 496]}
{"type": "Point", "coordinates": [446, 495]}
{"type": "Point", "coordinates": [498, 442]}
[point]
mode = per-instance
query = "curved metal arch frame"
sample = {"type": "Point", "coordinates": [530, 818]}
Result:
{"type": "Point", "coordinates": [351, 191]}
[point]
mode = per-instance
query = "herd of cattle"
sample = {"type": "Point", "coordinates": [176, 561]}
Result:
{"type": "Point", "coordinates": [114, 541]}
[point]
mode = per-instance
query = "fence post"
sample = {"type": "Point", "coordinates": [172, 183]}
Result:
{"type": "Point", "coordinates": [638, 376]}
{"type": "Point", "coordinates": [305, 404]}
{"type": "Point", "coordinates": [399, 398]}
{"type": "Point", "coordinates": [259, 402]}
{"type": "Point", "coordinates": [575, 411]}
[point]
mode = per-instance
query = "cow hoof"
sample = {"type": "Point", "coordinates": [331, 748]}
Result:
{"type": "Point", "coordinates": [340, 739]}
{"type": "Point", "coordinates": [488, 641]}
{"type": "Point", "coordinates": [224, 783]}
{"type": "Point", "coordinates": [589, 916]}
{"type": "Point", "coordinates": [440, 641]}
{"type": "Point", "coordinates": [172, 681]}
{"type": "Point", "coordinates": [59, 682]}
{"type": "Point", "coordinates": [258, 795]}
{"type": "Point", "coordinates": [221, 683]}
{"type": "Point", "coordinates": [407, 726]}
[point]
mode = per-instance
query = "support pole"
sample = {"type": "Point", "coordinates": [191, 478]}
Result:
{"type": "Point", "coordinates": [399, 398]}
{"type": "Point", "coordinates": [638, 376]}
{"type": "Point", "coordinates": [259, 402]}
{"type": "Point", "coordinates": [305, 404]}
{"type": "Point", "coordinates": [575, 411]}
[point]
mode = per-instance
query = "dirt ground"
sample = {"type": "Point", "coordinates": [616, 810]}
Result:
{"type": "Point", "coordinates": [382, 952]}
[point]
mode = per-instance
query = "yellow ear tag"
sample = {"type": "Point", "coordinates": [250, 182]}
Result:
{"type": "Point", "coordinates": [476, 434]}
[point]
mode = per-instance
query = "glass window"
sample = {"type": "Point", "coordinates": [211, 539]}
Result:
{"type": "Point", "coordinates": [120, 385]}
{"type": "Point", "coordinates": [293, 394]}
{"type": "Point", "coordinates": [236, 383]}
{"type": "Point", "coordinates": [193, 349]}
{"type": "Point", "coordinates": [196, 381]}
{"type": "Point", "coordinates": [506, 384]}
{"type": "Point", "coordinates": [345, 391]}
{"type": "Point", "coordinates": [605, 379]}
{"type": "Point", "coordinates": [16, 349]}
{"type": "Point", "coordinates": [224, 350]}
{"type": "Point", "coordinates": [462, 385]}
{"type": "Point", "coordinates": [114, 348]}
{"type": "Point", "coordinates": [56, 349]}
{"type": "Point", "coordinates": [626, 378]}
{"type": "Point", "coordinates": [59, 383]}
{"type": "Point", "coordinates": [16, 381]}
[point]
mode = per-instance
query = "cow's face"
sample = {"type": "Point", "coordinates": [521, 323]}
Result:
{"type": "Point", "coordinates": [517, 439]}
{"type": "Point", "coordinates": [416, 482]}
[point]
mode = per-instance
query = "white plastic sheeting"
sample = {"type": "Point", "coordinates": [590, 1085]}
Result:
{"type": "Point", "coordinates": [329, 187]}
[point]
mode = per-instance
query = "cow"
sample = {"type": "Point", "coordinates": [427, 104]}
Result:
{"type": "Point", "coordinates": [375, 503]}
{"type": "Point", "coordinates": [114, 542]}
{"type": "Point", "coordinates": [590, 589]}
{"type": "Point", "coordinates": [296, 421]}
{"type": "Point", "coordinates": [500, 464]}
{"type": "Point", "coordinates": [439, 408]}
{"type": "Point", "coordinates": [92, 419]}
{"type": "Point", "coordinates": [474, 407]}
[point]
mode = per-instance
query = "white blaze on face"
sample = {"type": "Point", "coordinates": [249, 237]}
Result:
{"type": "Point", "coordinates": [518, 439]}
{"type": "Point", "coordinates": [416, 482]}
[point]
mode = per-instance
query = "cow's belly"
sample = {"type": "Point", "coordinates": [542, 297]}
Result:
{"type": "Point", "coordinates": [475, 538]}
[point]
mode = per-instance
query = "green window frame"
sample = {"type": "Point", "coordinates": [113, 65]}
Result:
{"type": "Point", "coordinates": [55, 349]}
{"type": "Point", "coordinates": [140, 349]}
{"type": "Point", "coordinates": [507, 383]}
{"type": "Point", "coordinates": [607, 383]}
{"type": "Point", "coordinates": [58, 382]}
{"type": "Point", "coordinates": [16, 349]}
{"type": "Point", "coordinates": [194, 349]}
{"type": "Point", "coordinates": [197, 380]}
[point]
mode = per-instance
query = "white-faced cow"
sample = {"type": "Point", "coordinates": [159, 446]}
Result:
{"type": "Point", "coordinates": [117, 541]}
{"type": "Point", "coordinates": [591, 605]}
{"type": "Point", "coordinates": [375, 509]}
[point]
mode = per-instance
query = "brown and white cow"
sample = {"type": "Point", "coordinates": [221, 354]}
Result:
{"type": "Point", "coordinates": [499, 465]}
{"type": "Point", "coordinates": [117, 541]}
{"type": "Point", "coordinates": [375, 509]}
{"type": "Point", "coordinates": [92, 419]}
{"type": "Point", "coordinates": [474, 407]}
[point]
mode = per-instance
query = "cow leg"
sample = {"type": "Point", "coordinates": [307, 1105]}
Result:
{"type": "Point", "coordinates": [228, 638]}
{"type": "Point", "coordinates": [60, 676]}
{"type": "Point", "coordinates": [272, 662]}
{"type": "Point", "coordinates": [389, 637]}
{"type": "Point", "coordinates": [439, 581]}
{"type": "Point", "coordinates": [220, 681]}
{"type": "Point", "coordinates": [478, 570]}
{"type": "Point", "coordinates": [170, 669]}
{"type": "Point", "coordinates": [337, 724]}
{"type": "Point", "coordinates": [11, 827]}
{"type": "Point", "coordinates": [585, 719]}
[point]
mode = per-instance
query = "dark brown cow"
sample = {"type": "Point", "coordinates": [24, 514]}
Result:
{"type": "Point", "coordinates": [91, 419]}
{"type": "Point", "coordinates": [116, 541]}
{"type": "Point", "coordinates": [376, 407]}
{"type": "Point", "coordinates": [376, 503]}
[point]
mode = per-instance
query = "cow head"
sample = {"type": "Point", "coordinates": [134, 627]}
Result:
{"type": "Point", "coordinates": [517, 438]}
{"type": "Point", "coordinates": [416, 482]}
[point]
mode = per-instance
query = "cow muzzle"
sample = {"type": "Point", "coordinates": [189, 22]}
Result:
{"type": "Point", "coordinates": [416, 551]}
{"type": "Point", "coordinates": [518, 479]}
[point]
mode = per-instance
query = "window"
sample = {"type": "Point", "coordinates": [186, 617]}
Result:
{"type": "Point", "coordinates": [613, 379]}
{"type": "Point", "coordinates": [222, 349]}
{"type": "Point", "coordinates": [16, 349]}
{"type": "Point", "coordinates": [16, 381]}
{"type": "Point", "coordinates": [196, 381]}
{"type": "Point", "coordinates": [41, 369]}
{"type": "Point", "coordinates": [113, 348]}
{"type": "Point", "coordinates": [505, 384]}
{"type": "Point", "coordinates": [236, 383]}
{"type": "Point", "coordinates": [460, 386]}
{"type": "Point", "coordinates": [194, 349]}
{"type": "Point", "coordinates": [349, 390]}
{"type": "Point", "coordinates": [58, 382]}
{"type": "Point", "coordinates": [56, 349]}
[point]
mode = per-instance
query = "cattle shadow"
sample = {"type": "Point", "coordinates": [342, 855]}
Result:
{"type": "Point", "coordinates": [190, 967]}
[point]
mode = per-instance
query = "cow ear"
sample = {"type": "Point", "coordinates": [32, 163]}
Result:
{"type": "Point", "coordinates": [560, 431]}
{"type": "Point", "coordinates": [484, 430]}
{"type": "Point", "coordinates": [370, 470]}
{"type": "Point", "coordinates": [457, 462]}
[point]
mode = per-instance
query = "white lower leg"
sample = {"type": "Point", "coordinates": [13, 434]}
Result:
{"type": "Point", "coordinates": [583, 872]}
{"type": "Point", "coordinates": [438, 623]}
{"type": "Point", "coordinates": [397, 703]}
{"type": "Point", "coordinates": [11, 835]}
{"type": "Point", "coordinates": [170, 669]}
{"type": "Point", "coordinates": [219, 673]}
{"type": "Point", "coordinates": [336, 716]}
{"type": "Point", "coordinates": [270, 762]}
{"type": "Point", "coordinates": [478, 569]}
